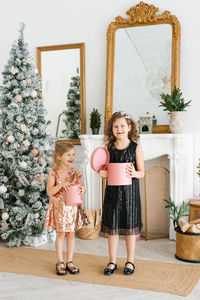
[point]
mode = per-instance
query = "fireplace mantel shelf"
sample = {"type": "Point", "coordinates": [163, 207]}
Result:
{"type": "Point", "coordinates": [178, 148]}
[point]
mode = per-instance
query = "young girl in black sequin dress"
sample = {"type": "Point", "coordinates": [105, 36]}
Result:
{"type": "Point", "coordinates": [122, 209]}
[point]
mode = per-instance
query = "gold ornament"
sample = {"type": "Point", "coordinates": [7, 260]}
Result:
{"type": "Point", "coordinates": [34, 152]}
{"type": "Point", "coordinates": [28, 81]}
{"type": "Point", "coordinates": [40, 159]}
{"type": "Point", "coordinates": [18, 98]}
{"type": "Point", "coordinates": [41, 178]}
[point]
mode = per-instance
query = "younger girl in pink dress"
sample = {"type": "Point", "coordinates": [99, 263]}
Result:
{"type": "Point", "coordinates": [65, 219]}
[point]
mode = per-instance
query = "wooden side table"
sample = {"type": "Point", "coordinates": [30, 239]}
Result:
{"type": "Point", "coordinates": [194, 208]}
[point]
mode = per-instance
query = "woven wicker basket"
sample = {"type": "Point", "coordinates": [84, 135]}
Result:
{"type": "Point", "coordinates": [91, 231]}
{"type": "Point", "coordinates": [188, 246]}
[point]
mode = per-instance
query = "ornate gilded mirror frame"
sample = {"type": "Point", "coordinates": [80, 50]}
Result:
{"type": "Point", "coordinates": [142, 14]}
{"type": "Point", "coordinates": [81, 47]}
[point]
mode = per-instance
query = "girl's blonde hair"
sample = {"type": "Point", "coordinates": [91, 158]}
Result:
{"type": "Point", "coordinates": [60, 149]}
{"type": "Point", "coordinates": [110, 138]}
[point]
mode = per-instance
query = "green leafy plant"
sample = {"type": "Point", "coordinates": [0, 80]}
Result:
{"type": "Point", "coordinates": [95, 119]}
{"type": "Point", "coordinates": [174, 102]}
{"type": "Point", "coordinates": [175, 212]}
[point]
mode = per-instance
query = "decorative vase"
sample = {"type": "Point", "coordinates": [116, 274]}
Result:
{"type": "Point", "coordinates": [176, 121]}
{"type": "Point", "coordinates": [95, 130]}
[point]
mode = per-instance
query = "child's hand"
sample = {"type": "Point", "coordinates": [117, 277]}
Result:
{"type": "Point", "coordinates": [82, 190]}
{"type": "Point", "coordinates": [130, 171]}
{"type": "Point", "coordinates": [103, 173]}
{"type": "Point", "coordinates": [65, 185]}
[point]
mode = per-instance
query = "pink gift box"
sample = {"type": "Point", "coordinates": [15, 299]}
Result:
{"type": "Point", "coordinates": [99, 159]}
{"type": "Point", "coordinates": [117, 174]}
{"type": "Point", "coordinates": [72, 196]}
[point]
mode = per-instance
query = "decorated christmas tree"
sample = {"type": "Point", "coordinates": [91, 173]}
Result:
{"type": "Point", "coordinates": [73, 113]}
{"type": "Point", "coordinates": [25, 148]}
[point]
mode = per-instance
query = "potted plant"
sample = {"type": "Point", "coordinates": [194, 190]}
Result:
{"type": "Point", "coordinates": [95, 121]}
{"type": "Point", "coordinates": [186, 242]}
{"type": "Point", "coordinates": [175, 105]}
{"type": "Point", "coordinates": [176, 213]}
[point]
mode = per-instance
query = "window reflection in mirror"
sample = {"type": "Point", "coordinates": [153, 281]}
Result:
{"type": "Point", "coordinates": [142, 69]}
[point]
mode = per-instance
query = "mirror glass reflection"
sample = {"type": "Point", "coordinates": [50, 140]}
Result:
{"type": "Point", "coordinates": [58, 68]}
{"type": "Point", "coordinates": [142, 69]}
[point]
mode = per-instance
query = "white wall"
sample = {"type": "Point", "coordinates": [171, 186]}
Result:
{"type": "Point", "coordinates": [51, 22]}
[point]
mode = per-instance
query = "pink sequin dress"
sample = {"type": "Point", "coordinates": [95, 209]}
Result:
{"type": "Point", "coordinates": [61, 217]}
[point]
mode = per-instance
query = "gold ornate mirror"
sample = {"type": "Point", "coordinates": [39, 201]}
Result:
{"type": "Point", "coordinates": [143, 61]}
{"type": "Point", "coordinates": [62, 71]}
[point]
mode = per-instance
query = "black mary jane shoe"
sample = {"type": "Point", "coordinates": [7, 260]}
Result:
{"type": "Point", "coordinates": [72, 270]}
{"type": "Point", "coordinates": [129, 271]}
{"type": "Point", "coordinates": [108, 271]}
{"type": "Point", "coordinates": [60, 270]}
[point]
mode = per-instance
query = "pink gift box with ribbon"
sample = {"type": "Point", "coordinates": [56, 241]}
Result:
{"type": "Point", "coordinates": [72, 196]}
{"type": "Point", "coordinates": [116, 171]}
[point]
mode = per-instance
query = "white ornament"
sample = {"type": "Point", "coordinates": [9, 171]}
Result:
{"type": "Point", "coordinates": [36, 215]}
{"type": "Point", "coordinates": [23, 164]}
{"type": "Point", "coordinates": [18, 98]}
{"type": "Point", "coordinates": [33, 94]}
{"type": "Point", "coordinates": [48, 131]}
{"type": "Point", "coordinates": [46, 147]}
{"type": "Point", "coordinates": [5, 216]}
{"type": "Point", "coordinates": [13, 70]}
{"type": "Point", "coordinates": [3, 189]}
{"type": "Point", "coordinates": [29, 60]}
{"type": "Point", "coordinates": [26, 143]}
{"type": "Point", "coordinates": [15, 43]}
{"type": "Point", "coordinates": [23, 127]}
{"type": "Point", "coordinates": [11, 139]}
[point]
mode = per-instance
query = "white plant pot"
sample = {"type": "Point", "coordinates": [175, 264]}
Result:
{"type": "Point", "coordinates": [176, 121]}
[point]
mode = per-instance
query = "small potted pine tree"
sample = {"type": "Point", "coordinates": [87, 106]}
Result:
{"type": "Point", "coordinates": [95, 121]}
{"type": "Point", "coordinates": [175, 105]}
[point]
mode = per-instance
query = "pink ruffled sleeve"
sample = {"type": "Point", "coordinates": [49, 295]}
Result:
{"type": "Point", "coordinates": [75, 176]}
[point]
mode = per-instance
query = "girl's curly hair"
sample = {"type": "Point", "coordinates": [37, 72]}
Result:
{"type": "Point", "coordinates": [60, 149]}
{"type": "Point", "coordinates": [110, 138]}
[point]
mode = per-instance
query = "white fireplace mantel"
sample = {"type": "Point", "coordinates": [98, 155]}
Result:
{"type": "Point", "coordinates": [178, 147]}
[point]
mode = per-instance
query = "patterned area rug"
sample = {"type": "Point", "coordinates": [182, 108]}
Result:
{"type": "Point", "coordinates": [179, 279]}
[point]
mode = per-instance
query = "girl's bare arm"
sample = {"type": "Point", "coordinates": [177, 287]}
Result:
{"type": "Point", "coordinates": [51, 187]}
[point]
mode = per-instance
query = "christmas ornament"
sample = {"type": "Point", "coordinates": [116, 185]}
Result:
{"type": "Point", "coordinates": [11, 139]}
{"type": "Point", "coordinates": [5, 216]}
{"type": "Point", "coordinates": [36, 71]}
{"type": "Point", "coordinates": [46, 147]}
{"type": "Point", "coordinates": [3, 189]}
{"type": "Point", "coordinates": [26, 143]}
{"type": "Point", "coordinates": [18, 98]}
{"type": "Point", "coordinates": [34, 152]}
{"type": "Point", "coordinates": [48, 131]}
{"type": "Point", "coordinates": [33, 94]}
{"type": "Point", "coordinates": [13, 70]}
{"type": "Point", "coordinates": [23, 164]}
{"type": "Point", "coordinates": [40, 159]}
{"type": "Point", "coordinates": [28, 81]}
{"type": "Point", "coordinates": [15, 43]}
{"type": "Point", "coordinates": [36, 215]}
{"type": "Point", "coordinates": [41, 178]}
{"type": "Point", "coordinates": [29, 60]}
{"type": "Point", "coordinates": [23, 127]}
